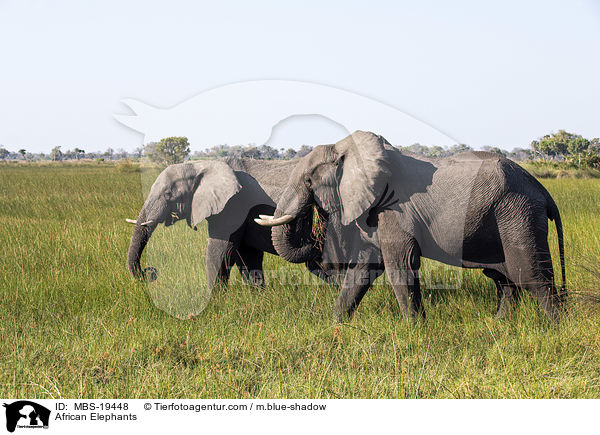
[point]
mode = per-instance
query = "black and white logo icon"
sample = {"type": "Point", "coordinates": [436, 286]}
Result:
{"type": "Point", "coordinates": [26, 414]}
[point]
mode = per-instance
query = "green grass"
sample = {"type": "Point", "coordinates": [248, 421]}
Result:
{"type": "Point", "coordinates": [550, 169]}
{"type": "Point", "coordinates": [74, 323]}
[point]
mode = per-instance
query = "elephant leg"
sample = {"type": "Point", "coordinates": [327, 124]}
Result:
{"type": "Point", "coordinates": [220, 257]}
{"type": "Point", "coordinates": [357, 281]}
{"type": "Point", "coordinates": [541, 284]}
{"type": "Point", "coordinates": [407, 288]}
{"type": "Point", "coordinates": [507, 291]}
{"type": "Point", "coordinates": [508, 295]}
{"type": "Point", "coordinates": [249, 261]}
{"type": "Point", "coordinates": [402, 269]}
{"type": "Point", "coordinates": [316, 268]}
{"type": "Point", "coordinates": [402, 259]}
{"type": "Point", "coordinates": [529, 265]}
{"type": "Point", "coordinates": [549, 299]}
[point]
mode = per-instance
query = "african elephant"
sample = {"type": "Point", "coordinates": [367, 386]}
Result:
{"type": "Point", "coordinates": [227, 193]}
{"type": "Point", "coordinates": [473, 210]}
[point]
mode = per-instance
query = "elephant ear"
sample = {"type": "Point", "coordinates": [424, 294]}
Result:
{"type": "Point", "coordinates": [365, 173]}
{"type": "Point", "coordinates": [216, 184]}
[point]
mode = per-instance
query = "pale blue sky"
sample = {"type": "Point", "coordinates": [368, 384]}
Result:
{"type": "Point", "coordinates": [485, 74]}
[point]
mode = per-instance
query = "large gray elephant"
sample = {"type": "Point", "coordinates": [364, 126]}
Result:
{"type": "Point", "coordinates": [227, 193]}
{"type": "Point", "coordinates": [474, 210]}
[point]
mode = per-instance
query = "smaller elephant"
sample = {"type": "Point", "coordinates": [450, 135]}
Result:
{"type": "Point", "coordinates": [225, 194]}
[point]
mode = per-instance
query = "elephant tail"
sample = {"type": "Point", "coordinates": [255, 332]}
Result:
{"type": "Point", "coordinates": [554, 215]}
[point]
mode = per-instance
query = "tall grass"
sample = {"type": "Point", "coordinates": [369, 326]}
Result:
{"type": "Point", "coordinates": [551, 169]}
{"type": "Point", "coordinates": [74, 323]}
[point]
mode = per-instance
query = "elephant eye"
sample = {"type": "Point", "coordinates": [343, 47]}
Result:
{"type": "Point", "coordinates": [307, 182]}
{"type": "Point", "coordinates": [172, 195]}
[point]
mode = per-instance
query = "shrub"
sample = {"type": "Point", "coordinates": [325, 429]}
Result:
{"type": "Point", "coordinates": [127, 166]}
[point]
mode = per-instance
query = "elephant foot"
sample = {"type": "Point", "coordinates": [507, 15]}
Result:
{"type": "Point", "coordinates": [505, 307]}
{"type": "Point", "coordinates": [341, 314]}
{"type": "Point", "coordinates": [150, 274]}
{"type": "Point", "coordinates": [502, 314]}
{"type": "Point", "coordinates": [257, 286]}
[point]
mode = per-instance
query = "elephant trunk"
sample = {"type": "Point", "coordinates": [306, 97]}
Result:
{"type": "Point", "coordinates": [297, 242]}
{"type": "Point", "coordinates": [141, 234]}
{"type": "Point", "coordinates": [291, 245]}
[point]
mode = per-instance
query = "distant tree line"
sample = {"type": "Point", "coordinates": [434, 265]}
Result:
{"type": "Point", "coordinates": [57, 154]}
{"type": "Point", "coordinates": [264, 152]}
{"type": "Point", "coordinates": [518, 154]}
{"type": "Point", "coordinates": [559, 147]}
{"type": "Point", "coordinates": [268, 153]}
{"type": "Point", "coordinates": [569, 147]}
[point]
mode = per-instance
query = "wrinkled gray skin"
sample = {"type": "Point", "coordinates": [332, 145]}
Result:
{"type": "Point", "coordinates": [474, 210]}
{"type": "Point", "coordinates": [227, 193]}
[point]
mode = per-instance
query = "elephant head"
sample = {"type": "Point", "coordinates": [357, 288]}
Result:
{"type": "Point", "coordinates": [190, 191]}
{"type": "Point", "coordinates": [342, 180]}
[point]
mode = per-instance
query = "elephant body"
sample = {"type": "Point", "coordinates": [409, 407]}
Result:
{"type": "Point", "coordinates": [227, 193]}
{"type": "Point", "coordinates": [473, 210]}
{"type": "Point", "coordinates": [474, 207]}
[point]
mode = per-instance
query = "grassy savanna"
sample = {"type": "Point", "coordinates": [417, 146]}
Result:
{"type": "Point", "coordinates": [75, 324]}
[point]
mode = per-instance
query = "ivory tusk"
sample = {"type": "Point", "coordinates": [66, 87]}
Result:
{"type": "Point", "coordinates": [263, 222]}
{"type": "Point", "coordinates": [133, 221]}
{"type": "Point", "coordinates": [265, 217]}
{"type": "Point", "coordinates": [272, 222]}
